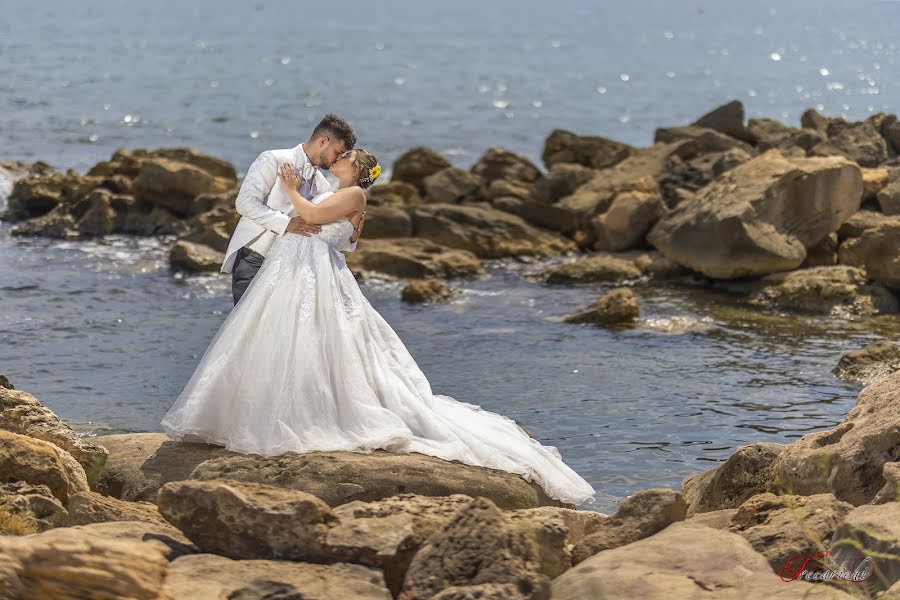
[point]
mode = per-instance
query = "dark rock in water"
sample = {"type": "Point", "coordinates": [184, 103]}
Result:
{"type": "Point", "coordinates": [612, 308]}
{"type": "Point", "coordinates": [870, 363]}
{"type": "Point", "coordinates": [428, 290]}
{"type": "Point", "coordinates": [592, 268]}
{"type": "Point", "coordinates": [595, 152]}
{"type": "Point", "coordinates": [835, 289]}
{"type": "Point", "coordinates": [413, 166]}
{"type": "Point", "coordinates": [4, 382]}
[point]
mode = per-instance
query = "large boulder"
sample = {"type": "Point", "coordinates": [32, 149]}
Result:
{"type": "Point", "coordinates": [477, 546]}
{"type": "Point", "coordinates": [782, 527]}
{"type": "Point", "coordinates": [88, 507]}
{"type": "Point", "coordinates": [629, 217]}
{"type": "Point", "coordinates": [413, 258]}
{"type": "Point", "coordinates": [837, 289]}
{"type": "Point", "coordinates": [174, 184]}
{"type": "Point", "coordinates": [684, 560]}
{"type": "Point", "coordinates": [760, 217]}
{"type": "Point", "coordinates": [140, 463]}
{"type": "Point", "coordinates": [212, 576]}
{"type": "Point", "coordinates": [22, 413]}
{"type": "Point", "coordinates": [595, 152]}
{"type": "Point", "coordinates": [386, 222]}
{"type": "Point", "coordinates": [847, 460]}
{"type": "Point", "coordinates": [878, 250]}
{"type": "Point", "coordinates": [745, 474]}
{"type": "Point", "coordinates": [486, 232]}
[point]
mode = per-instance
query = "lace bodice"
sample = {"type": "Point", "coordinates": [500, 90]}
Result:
{"type": "Point", "coordinates": [336, 233]}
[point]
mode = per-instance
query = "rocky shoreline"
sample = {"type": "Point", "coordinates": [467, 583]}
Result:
{"type": "Point", "coordinates": [800, 219]}
{"type": "Point", "coordinates": [794, 219]}
{"type": "Point", "coordinates": [142, 516]}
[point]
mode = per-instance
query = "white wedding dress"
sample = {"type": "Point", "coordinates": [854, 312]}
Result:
{"type": "Point", "coordinates": [304, 363]}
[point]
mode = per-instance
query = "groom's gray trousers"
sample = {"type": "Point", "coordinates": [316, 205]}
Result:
{"type": "Point", "coordinates": [246, 265]}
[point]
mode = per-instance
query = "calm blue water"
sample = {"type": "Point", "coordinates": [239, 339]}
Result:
{"type": "Point", "coordinates": [106, 336]}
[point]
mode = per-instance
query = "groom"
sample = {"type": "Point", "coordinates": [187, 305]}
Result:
{"type": "Point", "coordinates": [260, 223]}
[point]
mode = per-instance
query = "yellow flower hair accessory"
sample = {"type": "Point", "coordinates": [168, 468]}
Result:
{"type": "Point", "coordinates": [374, 172]}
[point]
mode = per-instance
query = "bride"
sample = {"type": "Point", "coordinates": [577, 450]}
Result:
{"type": "Point", "coordinates": [304, 363]}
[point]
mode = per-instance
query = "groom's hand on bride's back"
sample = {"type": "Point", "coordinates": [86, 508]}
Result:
{"type": "Point", "coordinates": [298, 225]}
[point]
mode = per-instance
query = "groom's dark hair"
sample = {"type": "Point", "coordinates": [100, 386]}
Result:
{"type": "Point", "coordinates": [333, 126]}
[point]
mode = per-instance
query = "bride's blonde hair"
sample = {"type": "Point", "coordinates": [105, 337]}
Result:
{"type": "Point", "coordinates": [367, 168]}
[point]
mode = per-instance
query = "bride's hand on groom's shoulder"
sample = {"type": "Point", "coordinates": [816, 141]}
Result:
{"type": "Point", "coordinates": [288, 176]}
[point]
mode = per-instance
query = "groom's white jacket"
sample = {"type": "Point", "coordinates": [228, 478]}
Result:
{"type": "Point", "coordinates": [262, 206]}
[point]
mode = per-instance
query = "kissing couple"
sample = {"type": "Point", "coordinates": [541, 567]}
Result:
{"type": "Point", "coordinates": [304, 363]}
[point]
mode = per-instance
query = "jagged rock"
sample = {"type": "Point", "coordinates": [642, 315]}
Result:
{"type": "Point", "coordinates": [848, 459]}
{"type": "Point", "coordinates": [427, 290]}
{"type": "Point", "coordinates": [486, 232]}
{"type": "Point", "coordinates": [760, 217]}
{"type": "Point", "coordinates": [645, 513]}
{"type": "Point", "coordinates": [826, 290]}
{"type": "Point", "coordinates": [212, 576]}
{"type": "Point", "coordinates": [684, 560]}
{"type": "Point", "coordinates": [860, 142]}
{"type": "Point", "coordinates": [870, 363]}
{"type": "Point", "coordinates": [413, 258]}
{"type": "Point", "coordinates": [612, 308]}
{"type": "Point", "coordinates": [22, 413]}
{"type": "Point", "coordinates": [595, 152]}
{"type": "Point", "coordinates": [878, 251]}
{"type": "Point", "coordinates": [781, 527]}
{"type": "Point", "coordinates": [23, 458]}
{"type": "Point", "coordinates": [727, 119]}
{"type": "Point", "coordinates": [745, 474]}
{"type": "Point", "coordinates": [601, 266]}
{"type": "Point", "coordinates": [477, 546]}
{"type": "Point", "coordinates": [195, 257]}
{"type": "Point", "coordinates": [769, 133]}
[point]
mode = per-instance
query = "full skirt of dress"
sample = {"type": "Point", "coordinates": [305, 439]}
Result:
{"type": "Point", "coordinates": [304, 363]}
